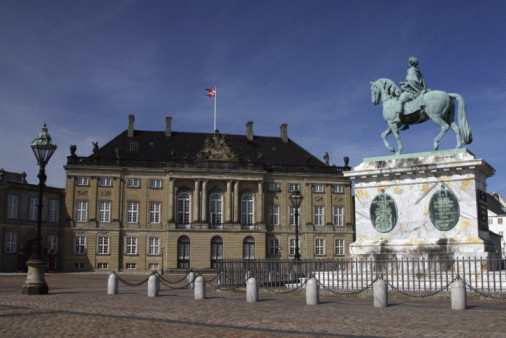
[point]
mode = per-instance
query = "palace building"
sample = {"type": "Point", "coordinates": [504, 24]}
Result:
{"type": "Point", "coordinates": [178, 200]}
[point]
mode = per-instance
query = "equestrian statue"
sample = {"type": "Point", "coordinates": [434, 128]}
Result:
{"type": "Point", "coordinates": [415, 104]}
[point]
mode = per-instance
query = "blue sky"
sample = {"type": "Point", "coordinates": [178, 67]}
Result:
{"type": "Point", "coordinates": [83, 66]}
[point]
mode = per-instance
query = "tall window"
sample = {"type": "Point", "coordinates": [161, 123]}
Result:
{"type": "Point", "coordinates": [54, 207]}
{"type": "Point", "coordinates": [81, 211]}
{"type": "Point", "coordinates": [215, 209]}
{"type": "Point", "coordinates": [499, 220]}
{"type": "Point", "coordinates": [216, 251]}
{"type": "Point", "coordinates": [154, 212]}
{"type": "Point", "coordinates": [274, 246]}
{"type": "Point", "coordinates": [183, 208]}
{"type": "Point", "coordinates": [103, 245]}
{"type": "Point", "coordinates": [292, 246]}
{"type": "Point", "coordinates": [155, 183]}
{"type": "Point", "coordinates": [319, 215]}
{"type": "Point", "coordinates": [248, 248]}
{"type": "Point", "coordinates": [338, 246]}
{"type": "Point", "coordinates": [104, 211]}
{"type": "Point", "coordinates": [12, 206]}
{"type": "Point", "coordinates": [105, 182]}
{"type": "Point", "coordinates": [292, 216]}
{"type": "Point", "coordinates": [133, 212]}
{"type": "Point", "coordinates": [33, 207]}
{"type": "Point", "coordinates": [247, 210]}
{"type": "Point", "coordinates": [52, 243]}
{"type": "Point", "coordinates": [11, 242]}
{"type": "Point", "coordinates": [131, 245]}
{"type": "Point", "coordinates": [79, 244]}
{"type": "Point", "coordinates": [338, 216]}
{"type": "Point", "coordinates": [319, 246]}
{"type": "Point", "coordinates": [183, 252]}
{"type": "Point", "coordinates": [274, 215]}
{"type": "Point", "coordinates": [153, 245]}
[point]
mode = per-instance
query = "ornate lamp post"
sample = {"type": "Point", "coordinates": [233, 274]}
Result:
{"type": "Point", "coordinates": [43, 148]}
{"type": "Point", "coordinates": [296, 199]}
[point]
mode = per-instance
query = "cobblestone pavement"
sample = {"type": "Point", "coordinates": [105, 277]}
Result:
{"type": "Point", "coordinates": [78, 305]}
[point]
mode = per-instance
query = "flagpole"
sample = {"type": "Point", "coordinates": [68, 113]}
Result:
{"type": "Point", "coordinates": [214, 108]}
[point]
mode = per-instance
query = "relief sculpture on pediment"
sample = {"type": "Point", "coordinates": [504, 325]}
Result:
{"type": "Point", "coordinates": [216, 149]}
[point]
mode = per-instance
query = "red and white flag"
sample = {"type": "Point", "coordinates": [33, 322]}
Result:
{"type": "Point", "coordinates": [212, 92]}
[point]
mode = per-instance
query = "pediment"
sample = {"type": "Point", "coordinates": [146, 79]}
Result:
{"type": "Point", "coordinates": [216, 149]}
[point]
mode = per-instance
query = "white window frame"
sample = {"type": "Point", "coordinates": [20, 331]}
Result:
{"type": "Point", "coordinates": [318, 188]}
{"type": "Point", "coordinates": [101, 266]}
{"type": "Point", "coordinates": [291, 213]}
{"type": "Point", "coordinates": [153, 245]}
{"type": "Point", "coordinates": [319, 215]}
{"type": "Point", "coordinates": [103, 245]}
{"type": "Point", "coordinates": [184, 208]}
{"type": "Point", "coordinates": [215, 209]}
{"type": "Point", "coordinates": [339, 246]}
{"type": "Point", "coordinates": [153, 266]}
{"type": "Point", "coordinates": [104, 211]}
{"type": "Point", "coordinates": [11, 242]}
{"type": "Point", "coordinates": [105, 182]}
{"type": "Point", "coordinates": [81, 211]}
{"type": "Point", "coordinates": [274, 246]}
{"type": "Point", "coordinates": [338, 215]}
{"type": "Point", "coordinates": [274, 187]}
{"type": "Point", "coordinates": [155, 212]}
{"type": "Point", "coordinates": [274, 214]}
{"type": "Point", "coordinates": [338, 188]}
{"type": "Point", "coordinates": [132, 212]}
{"type": "Point", "coordinates": [133, 183]}
{"type": "Point", "coordinates": [52, 243]}
{"type": "Point", "coordinates": [131, 266]}
{"type": "Point", "coordinates": [83, 181]}
{"type": "Point", "coordinates": [79, 245]}
{"type": "Point", "coordinates": [319, 246]}
{"type": "Point", "coordinates": [131, 246]}
{"type": "Point", "coordinates": [33, 207]}
{"type": "Point", "coordinates": [291, 246]}
{"type": "Point", "coordinates": [54, 210]}
{"type": "Point", "coordinates": [12, 206]}
{"type": "Point", "coordinates": [247, 210]}
{"type": "Point", "coordinates": [293, 187]}
{"type": "Point", "coordinates": [155, 183]}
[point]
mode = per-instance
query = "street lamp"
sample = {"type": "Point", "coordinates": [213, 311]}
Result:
{"type": "Point", "coordinates": [43, 148]}
{"type": "Point", "coordinates": [296, 199]}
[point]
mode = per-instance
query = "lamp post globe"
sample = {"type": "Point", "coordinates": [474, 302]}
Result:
{"type": "Point", "coordinates": [43, 148]}
{"type": "Point", "coordinates": [296, 200]}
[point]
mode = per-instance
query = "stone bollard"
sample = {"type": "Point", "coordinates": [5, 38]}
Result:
{"type": "Point", "coordinates": [252, 290]}
{"type": "Point", "coordinates": [458, 295]}
{"type": "Point", "coordinates": [200, 288]}
{"type": "Point", "coordinates": [191, 280]}
{"type": "Point", "coordinates": [112, 284]}
{"type": "Point", "coordinates": [153, 286]}
{"type": "Point", "coordinates": [380, 288]}
{"type": "Point", "coordinates": [312, 292]}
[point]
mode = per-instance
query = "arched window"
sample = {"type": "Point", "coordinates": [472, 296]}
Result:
{"type": "Point", "coordinates": [248, 248]}
{"type": "Point", "coordinates": [247, 210]}
{"type": "Point", "coordinates": [183, 252]}
{"type": "Point", "coordinates": [216, 251]}
{"type": "Point", "coordinates": [215, 209]}
{"type": "Point", "coordinates": [183, 208]}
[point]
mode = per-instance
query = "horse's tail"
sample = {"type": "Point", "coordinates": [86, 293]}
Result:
{"type": "Point", "coordinates": [465, 129]}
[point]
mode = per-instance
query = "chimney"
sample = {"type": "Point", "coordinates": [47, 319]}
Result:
{"type": "Point", "coordinates": [249, 130]}
{"type": "Point", "coordinates": [131, 119]}
{"type": "Point", "coordinates": [168, 128]}
{"type": "Point", "coordinates": [284, 132]}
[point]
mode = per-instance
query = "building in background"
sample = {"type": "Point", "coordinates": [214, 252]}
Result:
{"type": "Point", "coordinates": [18, 221]}
{"type": "Point", "coordinates": [179, 200]}
{"type": "Point", "coordinates": [496, 206]}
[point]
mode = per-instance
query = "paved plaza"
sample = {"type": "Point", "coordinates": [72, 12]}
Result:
{"type": "Point", "coordinates": [78, 305]}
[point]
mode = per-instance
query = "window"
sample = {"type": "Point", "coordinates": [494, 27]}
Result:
{"type": "Point", "coordinates": [133, 183]}
{"type": "Point", "coordinates": [319, 246]}
{"type": "Point", "coordinates": [274, 215]}
{"type": "Point", "coordinates": [131, 266]}
{"type": "Point", "coordinates": [183, 209]}
{"type": "Point", "coordinates": [105, 182]}
{"type": "Point", "coordinates": [153, 246]}
{"type": "Point", "coordinates": [248, 248]}
{"type": "Point", "coordinates": [83, 181]}
{"type": "Point", "coordinates": [215, 209]}
{"type": "Point", "coordinates": [274, 246]}
{"type": "Point", "coordinates": [318, 188]}
{"type": "Point", "coordinates": [216, 251]}
{"type": "Point", "coordinates": [11, 242]}
{"type": "Point", "coordinates": [155, 184]}
{"type": "Point", "coordinates": [292, 216]}
{"type": "Point", "coordinates": [338, 189]}
{"type": "Point", "coordinates": [339, 247]}
{"type": "Point", "coordinates": [79, 266]}
{"type": "Point", "coordinates": [499, 220]}
{"type": "Point", "coordinates": [292, 247]}
{"type": "Point", "coordinates": [103, 245]}
{"type": "Point", "coordinates": [133, 212]}
{"type": "Point", "coordinates": [273, 186]}
{"type": "Point", "coordinates": [183, 253]}
{"type": "Point", "coordinates": [12, 206]}
{"type": "Point", "coordinates": [54, 207]}
{"type": "Point", "coordinates": [102, 265]}
{"type": "Point", "coordinates": [153, 266]}
{"type": "Point", "coordinates": [319, 215]}
{"type": "Point", "coordinates": [104, 211]}
{"type": "Point", "coordinates": [52, 243]}
{"type": "Point", "coordinates": [293, 187]}
{"type": "Point", "coordinates": [154, 212]}
{"type": "Point", "coordinates": [338, 216]}
{"type": "Point", "coordinates": [247, 210]}
{"type": "Point", "coordinates": [131, 245]}
{"type": "Point", "coordinates": [81, 211]}
{"type": "Point", "coordinates": [79, 244]}
{"type": "Point", "coordinates": [33, 208]}
{"type": "Point", "coordinates": [490, 220]}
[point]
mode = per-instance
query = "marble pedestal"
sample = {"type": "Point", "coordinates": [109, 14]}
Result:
{"type": "Point", "coordinates": [35, 283]}
{"type": "Point", "coordinates": [424, 205]}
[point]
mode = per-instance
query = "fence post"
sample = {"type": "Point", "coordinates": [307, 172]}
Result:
{"type": "Point", "coordinates": [252, 290]}
{"type": "Point", "coordinates": [200, 288]}
{"type": "Point", "coordinates": [112, 284]}
{"type": "Point", "coordinates": [380, 289]}
{"type": "Point", "coordinates": [153, 286]}
{"type": "Point", "coordinates": [191, 280]}
{"type": "Point", "coordinates": [221, 279]}
{"type": "Point", "coordinates": [312, 292]}
{"type": "Point", "coordinates": [458, 295]}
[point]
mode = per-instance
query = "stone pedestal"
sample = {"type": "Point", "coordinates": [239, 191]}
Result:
{"type": "Point", "coordinates": [424, 205]}
{"type": "Point", "coordinates": [35, 283]}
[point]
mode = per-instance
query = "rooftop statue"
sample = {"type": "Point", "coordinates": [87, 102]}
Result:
{"type": "Point", "coordinates": [415, 104]}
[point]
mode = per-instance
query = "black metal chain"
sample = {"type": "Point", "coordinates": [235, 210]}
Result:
{"type": "Point", "coordinates": [127, 283]}
{"type": "Point", "coordinates": [349, 293]}
{"type": "Point", "coordinates": [433, 293]}
{"type": "Point", "coordinates": [484, 294]}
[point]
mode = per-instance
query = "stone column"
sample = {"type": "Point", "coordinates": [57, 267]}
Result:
{"type": "Point", "coordinates": [172, 197]}
{"type": "Point", "coordinates": [196, 201]}
{"type": "Point", "coordinates": [236, 203]}
{"type": "Point", "coordinates": [228, 202]}
{"type": "Point", "coordinates": [204, 201]}
{"type": "Point", "coordinates": [260, 203]}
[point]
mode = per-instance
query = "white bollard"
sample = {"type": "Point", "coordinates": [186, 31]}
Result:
{"type": "Point", "coordinates": [252, 290]}
{"type": "Point", "coordinates": [191, 280]}
{"type": "Point", "coordinates": [380, 288]}
{"type": "Point", "coordinates": [200, 288]}
{"type": "Point", "coordinates": [112, 284]}
{"type": "Point", "coordinates": [153, 286]}
{"type": "Point", "coordinates": [458, 295]}
{"type": "Point", "coordinates": [312, 292]}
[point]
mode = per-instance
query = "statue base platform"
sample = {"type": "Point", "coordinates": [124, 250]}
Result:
{"type": "Point", "coordinates": [35, 283]}
{"type": "Point", "coordinates": [424, 205]}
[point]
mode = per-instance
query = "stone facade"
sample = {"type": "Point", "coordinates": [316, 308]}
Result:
{"type": "Point", "coordinates": [169, 200]}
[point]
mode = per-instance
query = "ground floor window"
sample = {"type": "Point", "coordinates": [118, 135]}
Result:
{"type": "Point", "coordinates": [153, 266]}
{"type": "Point", "coordinates": [339, 247]}
{"type": "Point", "coordinates": [183, 253]}
{"type": "Point", "coordinates": [216, 251]}
{"type": "Point", "coordinates": [248, 248]}
{"type": "Point", "coordinates": [79, 266]}
{"type": "Point", "coordinates": [131, 266]}
{"type": "Point", "coordinates": [102, 265]}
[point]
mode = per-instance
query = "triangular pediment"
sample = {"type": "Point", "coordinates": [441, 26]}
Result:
{"type": "Point", "coordinates": [216, 149]}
